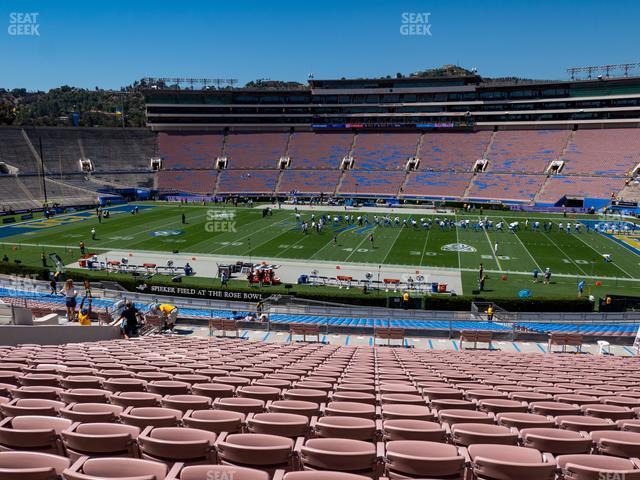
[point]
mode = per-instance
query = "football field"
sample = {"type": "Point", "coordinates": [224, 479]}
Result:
{"type": "Point", "coordinates": [244, 232]}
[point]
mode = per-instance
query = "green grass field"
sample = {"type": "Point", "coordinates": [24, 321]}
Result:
{"type": "Point", "coordinates": [571, 256]}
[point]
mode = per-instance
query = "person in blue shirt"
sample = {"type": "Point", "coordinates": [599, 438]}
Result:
{"type": "Point", "coordinates": [580, 288]}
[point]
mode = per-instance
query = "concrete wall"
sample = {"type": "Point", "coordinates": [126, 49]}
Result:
{"type": "Point", "coordinates": [56, 334]}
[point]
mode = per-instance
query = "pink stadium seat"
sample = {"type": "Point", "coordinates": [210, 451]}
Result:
{"type": "Point", "coordinates": [255, 150]}
{"type": "Point", "coordinates": [442, 151]}
{"type": "Point", "coordinates": [322, 151]}
{"type": "Point", "coordinates": [384, 151]}
{"type": "Point", "coordinates": [610, 152]}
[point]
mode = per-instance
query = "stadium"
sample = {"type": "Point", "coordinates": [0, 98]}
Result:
{"type": "Point", "coordinates": [432, 275]}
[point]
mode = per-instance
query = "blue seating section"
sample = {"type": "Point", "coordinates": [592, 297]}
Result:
{"type": "Point", "coordinates": [587, 329]}
{"type": "Point", "coordinates": [354, 322]}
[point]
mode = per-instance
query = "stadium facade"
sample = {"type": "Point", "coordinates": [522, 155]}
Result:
{"type": "Point", "coordinates": [465, 101]}
{"type": "Point", "coordinates": [457, 138]}
{"type": "Point", "coordinates": [453, 138]}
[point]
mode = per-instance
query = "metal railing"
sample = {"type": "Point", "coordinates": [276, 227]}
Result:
{"type": "Point", "coordinates": [517, 322]}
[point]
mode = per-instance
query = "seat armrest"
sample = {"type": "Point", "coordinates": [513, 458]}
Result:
{"type": "Point", "coordinates": [380, 451]}
{"type": "Point", "coordinates": [277, 475]}
{"type": "Point", "coordinates": [221, 438]}
{"type": "Point", "coordinates": [174, 473]}
{"type": "Point", "coordinates": [77, 466]}
{"type": "Point", "coordinates": [549, 458]}
{"type": "Point", "coordinates": [72, 427]}
{"type": "Point", "coordinates": [464, 453]}
{"type": "Point", "coordinates": [298, 445]}
{"type": "Point", "coordinates": [146, 432]}
{"type": "Point", "coordinates": [5, 422]}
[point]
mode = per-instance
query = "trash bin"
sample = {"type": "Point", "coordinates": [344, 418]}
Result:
{"type": "Point", "coordinates": [434, 287]}
{"type": "Point", "coordinates": [442, 288]}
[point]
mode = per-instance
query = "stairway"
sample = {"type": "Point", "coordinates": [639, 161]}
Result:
{"type": "Point", "coordinates": [485, 154]}
{"type": "Point", "coordinates": [630, 192]}
{"type": "Point", "coordinates": [466, 190]}
{"type": "Point", "coordinates": [419, 146]}
{"type": "Point", "coordinates": [404, 181]}
{"type": "Point", "coordinates": [570, 139]}
{"type": "Point", "coordinates": [353, 145]}
{"type": "Point", "coordinates": [537, 196]}
{"type": "Point", "coordinates": [288, 145]}
{"type": "Point", "coordinates": [339, 185]}
{"type": "Point", "coordinates": [33, 150]}
{"type": "Point", "coordinates": [215, 187]}
{"type": "Point", "coordinates": [36, 202]}
{"type": "Point", "coordinates": [224, 145]}
{"type": "Point", "coordinates": [277, 187]}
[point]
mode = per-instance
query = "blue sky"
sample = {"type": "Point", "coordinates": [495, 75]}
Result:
{"type": "Point", "coordinates": [113, 43]}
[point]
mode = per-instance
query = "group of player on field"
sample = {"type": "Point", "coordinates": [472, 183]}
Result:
{"type": "Point", "coordinates": [317, 223]}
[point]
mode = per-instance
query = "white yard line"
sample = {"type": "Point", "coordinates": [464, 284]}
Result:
{"type": "Point", "coordinates": [247, 236]}
{"type": "Point", "coordinates": [394, 242]}
{"type": "Point", "coordinates": [304, 236]}
{"type": "Point", "coordinates": [424, 249]}
{"type": "Point", "coordinates": [455, 219]}
{"type": "Point", "coordinates": [600, 254]}
{"type": "Point", "coordinates": [492, 250]}
{"type": "Point", "coordinates": [366, 236]}
{"type": "Point", "coordinates": [565, 254]}
{"type": "Point", "coordinates": [526, 249]}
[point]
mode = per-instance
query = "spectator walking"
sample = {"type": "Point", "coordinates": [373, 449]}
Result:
{"type": "Point", "coordinates": [129, 320]}
{"type": "Point", "coordinates": [70, 294]}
